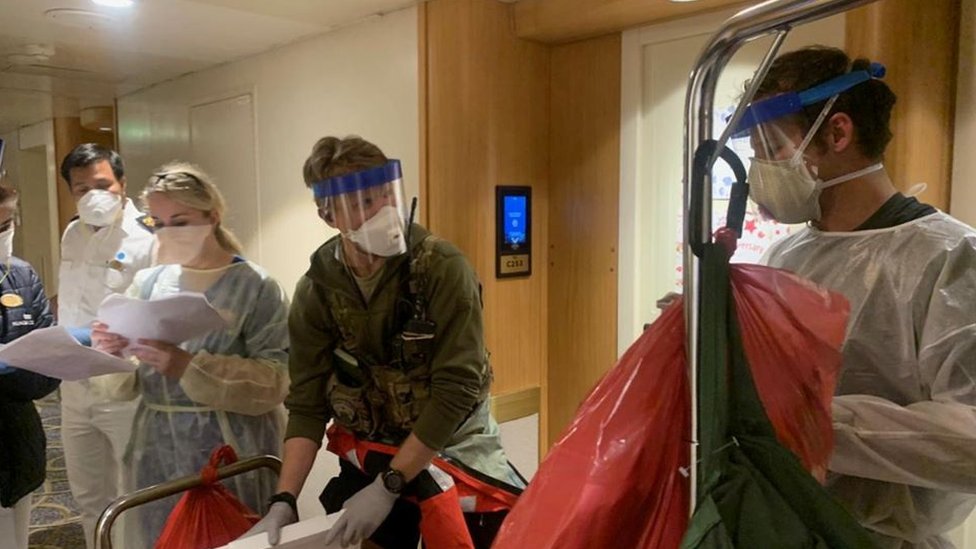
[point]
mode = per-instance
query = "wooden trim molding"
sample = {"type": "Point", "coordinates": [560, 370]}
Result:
{"type": "Point", "coordinates": [516, 404]}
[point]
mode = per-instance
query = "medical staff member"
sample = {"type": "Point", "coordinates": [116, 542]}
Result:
{"type": "Point", "coordinates": [223, 387]}
{"type": "Point", "coordinates": [24, 308]}
{"type": "Point", "coordinates": [387, 342]}
{"type": "Point", "coordinates": [101, 251]}
{"type": "Point", "coordinates": [904, 462]}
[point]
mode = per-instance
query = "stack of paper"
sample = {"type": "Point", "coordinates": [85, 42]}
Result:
{"type": "Point", "coordinates": [54, 353]}
{"type": "Point", "coordinates": [307, 534]}
{"type": "Point", "coordinates": [175, 318]}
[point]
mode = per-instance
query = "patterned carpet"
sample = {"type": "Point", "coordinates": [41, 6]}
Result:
{"type": "Point", "coordinates": [55, 522]}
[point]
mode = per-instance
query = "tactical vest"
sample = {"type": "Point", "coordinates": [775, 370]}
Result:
{"type": "Point", "coordinates": [380, 394]}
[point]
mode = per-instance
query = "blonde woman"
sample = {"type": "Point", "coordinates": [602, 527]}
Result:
{"type": "Point", "coordinates": [223, 387]}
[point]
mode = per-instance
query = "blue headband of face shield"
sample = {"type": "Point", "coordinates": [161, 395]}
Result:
{"type": "Point", "coordinates": [357, 181]}
{"type": "Point", "coordinates": [765, 110]}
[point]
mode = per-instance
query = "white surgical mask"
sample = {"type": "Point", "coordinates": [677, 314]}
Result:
{"type": "Point", "coordinates": [99, 208]}
{"type": "Point", "coordinates": [381, 234]}
{"type": "Point", "coordinates": [181, 245]}
{"type": "Point", "coordinates": [6, 244]}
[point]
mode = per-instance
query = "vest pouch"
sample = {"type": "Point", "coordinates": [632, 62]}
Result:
{"type": "Point", "coordinates": [416, 343]}
{"type": "Point", "coordinates": [347, 395]}
{"type": "Point", "coordinates": [349, 406]}
{"type": "Point", "coordinates": [404, 396]}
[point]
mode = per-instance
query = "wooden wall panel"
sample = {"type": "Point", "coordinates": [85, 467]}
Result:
{"type": "Point", "coordinates": [918, 43]}
{"type": "Point", "coordinates": [68, 134]}
{"type": "Point", "coordinates": [487, 119]}
{"type": "Point", "coordinates": [583, 221]}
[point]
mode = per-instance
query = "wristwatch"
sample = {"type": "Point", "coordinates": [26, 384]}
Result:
{"type": "Point", "coordinates": [393, 481]}
{"type": "Point", "coordinates": [286, 497]}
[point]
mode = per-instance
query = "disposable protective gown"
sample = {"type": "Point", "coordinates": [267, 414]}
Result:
{"type": "Point", "coordinates": [231, 392]}
{"type": "Point", "coordinates": [905, 413]}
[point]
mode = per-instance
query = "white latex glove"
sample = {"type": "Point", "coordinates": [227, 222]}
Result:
{"type": "Point", "coordinates": [279, 515]}
{"type": "Point", "coordinates": [364, 512]}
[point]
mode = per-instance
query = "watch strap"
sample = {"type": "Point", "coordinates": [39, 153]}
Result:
{"type": "Point", "coordinates": [286, 497]}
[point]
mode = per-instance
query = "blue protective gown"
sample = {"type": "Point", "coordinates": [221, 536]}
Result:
{"type": "Point", "coordinates": [231, 392]}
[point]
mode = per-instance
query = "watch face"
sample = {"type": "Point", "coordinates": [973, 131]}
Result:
{"type": "Point", "coordinates": [393, 481]}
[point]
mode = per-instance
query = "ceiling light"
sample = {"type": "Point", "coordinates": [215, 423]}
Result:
{"type": "Point", "coordinates": [113, 3]}
{"type": "Point", "coordinates": [85, 19]}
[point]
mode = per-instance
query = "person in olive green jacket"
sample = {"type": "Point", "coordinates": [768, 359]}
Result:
{"type": "Point", "coordinates": [387, 341]}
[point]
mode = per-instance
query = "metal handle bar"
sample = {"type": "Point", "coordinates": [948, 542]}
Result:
{"type": "Point", "coordinates": [103, 530]}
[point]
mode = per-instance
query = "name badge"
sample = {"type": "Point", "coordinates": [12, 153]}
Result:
{"type": "Point", "coordinates": [11, 300]}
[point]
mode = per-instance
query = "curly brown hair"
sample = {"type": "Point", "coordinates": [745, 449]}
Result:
{"type": "Point", "coordinates": [868, 104]}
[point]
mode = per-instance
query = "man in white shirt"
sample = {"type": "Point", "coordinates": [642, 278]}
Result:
{"type": "Point", "coordinates": [101, 251]}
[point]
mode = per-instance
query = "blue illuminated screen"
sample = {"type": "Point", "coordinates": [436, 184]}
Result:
{"type": "Point", "coordinates": [514, 216]}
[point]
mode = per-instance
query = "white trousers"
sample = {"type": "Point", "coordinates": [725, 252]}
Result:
{"type": "Point", "coordinates": [14, 524]}
{"type": "Point", "coordinates": [95, 435]}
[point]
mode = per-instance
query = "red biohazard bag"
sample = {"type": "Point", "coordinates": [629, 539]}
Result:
{"type": "Point", "coordinates": [792, 332]}
{"type": "Point", "coordinates": [207, 516]}
{"type": "Point", "coordinates": [615, 471]}
{"type": "Point", "coordinates": [616, 478]}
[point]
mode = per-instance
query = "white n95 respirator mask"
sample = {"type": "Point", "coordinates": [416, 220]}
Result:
{"type": "Point", "coordinates": [381, 234]}
{"type": "Point", "coordinates": [99, 208]}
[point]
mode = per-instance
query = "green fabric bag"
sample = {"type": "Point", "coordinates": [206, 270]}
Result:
{"type": "Point", "coordinates": [752, 492]}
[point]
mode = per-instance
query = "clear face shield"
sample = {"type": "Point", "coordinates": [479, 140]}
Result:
{"type": "Point", "coordinates": [368, 207]}
{"type": "Point", "coordinates": [783, 179]}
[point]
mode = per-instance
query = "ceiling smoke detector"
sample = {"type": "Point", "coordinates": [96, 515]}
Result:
{"type": "Point", "coordinates": [85, 19]}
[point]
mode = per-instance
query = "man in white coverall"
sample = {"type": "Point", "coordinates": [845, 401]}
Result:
{"type": "Point", "coordinates": [101, 251]}
{"type": "Point", "coordinates": [904, 462]}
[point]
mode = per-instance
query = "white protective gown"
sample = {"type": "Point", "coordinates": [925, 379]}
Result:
{"type": "Point", "coordinates": [904, 460]}
{"type": "Point", "coordinates": [231, 393]}
{"type": "Point", "coordinates": [94, 265]}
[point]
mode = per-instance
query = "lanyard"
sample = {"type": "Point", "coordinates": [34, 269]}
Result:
{"type": "Point", "coordinates": [6, 272]}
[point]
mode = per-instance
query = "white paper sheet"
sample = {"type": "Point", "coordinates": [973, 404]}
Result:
{"type": "Point", "coordinates": [307, 534]}
{"type": "Point", "coordinates": [175, 318]}
{"type": "Point", "coordinates": [54, 353]}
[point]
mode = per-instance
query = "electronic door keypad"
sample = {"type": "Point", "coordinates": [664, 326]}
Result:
{"type": "Point", "coordinates": [513, 229]}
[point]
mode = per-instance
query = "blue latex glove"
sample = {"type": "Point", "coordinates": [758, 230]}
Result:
{"type": "Point", "coordinates": [82, 334]}
{"type": "Point", "coordinates": [5, 369]}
